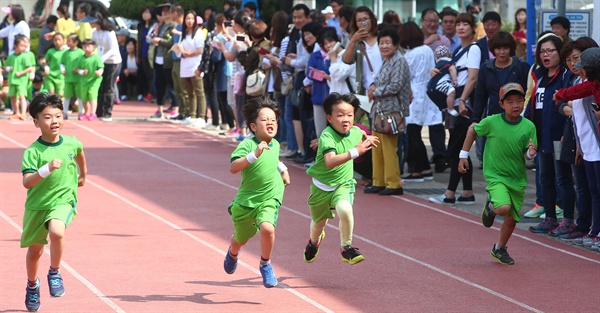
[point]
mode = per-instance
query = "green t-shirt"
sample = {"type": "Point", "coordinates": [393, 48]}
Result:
{"type": "Point", "coordinates": [261, 181]}
{"type": "Point", "coordinates": [505, 147]}
{"type": "Point", "coordinates": [92, 64]}
{"type": "Point", "coordinates": [60, 187]}
{"type": "Point", "coordinates": [70, 59]}
{"type": "Point", "coordinates": [54, 59]}
{"type": "Point", "coordinates": [19, 62]}
{"type": "Point", "coordinates": [332, 141]}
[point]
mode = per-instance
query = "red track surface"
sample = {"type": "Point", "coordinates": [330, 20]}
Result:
{"type": "Point", "coordinates": [153, 228]}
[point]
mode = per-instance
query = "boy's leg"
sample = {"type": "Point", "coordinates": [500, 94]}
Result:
{"type": "Point", "coordinates": [23, 106]}
{"type": "Point", "coordinates": [235, 247]}
{"type": "Point", "coordinates": [316, 230]}
{"type": "Point", "coordinates": [344, 210]}
{"type": "Point", "coordinates": [93, 104]}
{"type": "Point", "coordinates": [56, 230]}
{"type": "Point", "coordinates": [32, 261]}
{"type": "Point", "coordinates": [15, 105]}
{"type": "Point", "coordinates": [267, 240]}
{"type": "Point", "coordinates": [506, 231]}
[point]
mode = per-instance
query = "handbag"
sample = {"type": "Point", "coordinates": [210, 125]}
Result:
{"type": "Point", "coordinates": [287, 85]}
{"type": "Point", "coordinates": [391, 123]}
{"type": "Point", "coordinates": [256, 83]}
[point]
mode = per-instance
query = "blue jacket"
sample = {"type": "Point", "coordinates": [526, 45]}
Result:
{"type": "Point", "coordinates": [554, 124]}
{"type": "Point", "coordinates": [220, 65]}
{"type": "Point", "coordinates": [320, 90]}
{"type": "Point", "coordinates": [488, 87]}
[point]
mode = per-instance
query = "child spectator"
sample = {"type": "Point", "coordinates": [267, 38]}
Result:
{"type": "Point", "coordinates": [443, 59]}
{"type": "Point", "coordinates": [51, 178]}
{"type": "Point", "coordinates": [90, 67]}
{"type": "Point", "coordinates": [67, 64]}
{"type": "Point", "coordinates": [333, 185]}
{"type": "Point", "coordinates": [504, 157]}
{"type": "Point", "coordinates": [54, 81]}
{"type": "Point", "coordinates": [129, 77]}
{"type": "Point", "coordinates": [18, 66]}
{"type": "Point", "coordinates": [256, 206]}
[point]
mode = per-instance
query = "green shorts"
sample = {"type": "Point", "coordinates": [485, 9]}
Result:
{"type": "Point", "coordinates": [55, 84]}
{"type": "Point", "coordinates": [89, 93]}
{"type": "Point", "coordinates": [17, 90]}
{"type": "Point", "coordinates": [71, 90]}
{"type": "Point", "coordinates": [502, 194]}
{"type": "Point", "coordinates": [322, 202]}
{"type": "Point", "coordinates": [247, 220]}
{"type": "Point", "coordinates": [35, 223]}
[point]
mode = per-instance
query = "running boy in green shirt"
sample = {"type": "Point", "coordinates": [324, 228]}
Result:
{"type": "Point", "coordinates": [333, 183]}
{"type": "Point", "coordinates": [256, 206]}
{"type": "Point", "coordinates": [19, 66]}
{"type": "Point", "coordinates": [90, 68]}
{"type": "Point", "coordinates": [68, 62]}
{"type": "Point", "coordinates": [50, 174]}
{"type": "Point", "coordinates": [511, 140]}
{"type": "Point", "coordinates": [54, 81]}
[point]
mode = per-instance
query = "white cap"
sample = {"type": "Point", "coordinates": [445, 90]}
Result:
{"type": "Point", "coordinates": [327, 10]}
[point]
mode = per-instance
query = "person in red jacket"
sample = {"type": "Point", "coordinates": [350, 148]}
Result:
{"type": "Point", "coordinates": [590, 62]}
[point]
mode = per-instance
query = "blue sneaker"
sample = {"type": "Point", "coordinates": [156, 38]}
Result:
{"type": "Point", "coordinates": [55, 284]}
{"type": "Point", "coordinates": [269, 279]}
{"type": "Point", "coordinates": [230, 264]}
{"type": "Point", "coordinates": [32, 298]}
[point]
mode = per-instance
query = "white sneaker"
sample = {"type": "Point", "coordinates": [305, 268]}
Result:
{"type": "Point", "coordinates": [199, 122]}
{"type": "Point", "coordinates": [186, 121]}
{"type": "Point", "coordinates": [224, 127]}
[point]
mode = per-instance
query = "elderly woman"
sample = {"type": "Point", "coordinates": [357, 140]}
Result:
{"type": "Point", "coordinates": [390, 91]}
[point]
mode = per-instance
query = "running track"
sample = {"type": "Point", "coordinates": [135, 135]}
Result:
{"type": "Point", "coordinates": [153, 228]}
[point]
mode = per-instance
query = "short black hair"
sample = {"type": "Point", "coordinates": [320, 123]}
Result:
{"type": "Point", "coordinates": [389, 32]}
{"type": "Point", "coordinates": [346, 12]}
{"type": "Point", "coordinates": [427, 10]}
{"type": "Point", "coordinates": [563, 21]}
{"type": "Point", "coordinates": [335, 98]}
{"type": "Point", "coordinates": [88, 42]}
{"type": "Point", "coordinates": [254, 105]}
{"type": "Point", "coordinates": [51, 19]}
{"type": "Point", "coordinates": [43, 100]}
{"type": "Point", "coordinates": [327, 33]}
{"type": "Point", "coordinates": [492, 16]}
{"type": "Point", "coordinates": [303, 7]}
{"type": "Point", "coordinates": [251, 6]}
{"type": "Point", "coordinates": [500, 40]}
{"type": "Point", "coordinates": [85, 8]}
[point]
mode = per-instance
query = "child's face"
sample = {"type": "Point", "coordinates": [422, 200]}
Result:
{"type": "Point", "coordinates": [513, 105]}
{"type": "Point", "coordinates": [121, 40]}
{"type": "Point", "coordinates": [88, 49]}
{"type": "Point", "coordinates": [71, 43]}
{"type": "Point", "coordinates": [130, 47]}
{"type": "Point", "coordinates": [49, 121]}
{"type": "Point", "coordinates": [22, 46]}
{"type": "Point", "coordinates": [342, 117]}
{"type": "Point", "coordinates": [265, 127]}
{"type": "Point", "coordinates": [58, 41]}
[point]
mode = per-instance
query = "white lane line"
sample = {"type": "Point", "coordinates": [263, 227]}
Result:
{"type": "Point", "coordinates": [409, 258]}
{"type": "Point", "coordinates": [64, 264]}
{"type": "Point", "coordinates": [173, 225]}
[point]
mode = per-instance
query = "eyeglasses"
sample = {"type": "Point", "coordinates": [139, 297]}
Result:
{"type": "Point", "coordinates": [431, 20]}
{"type": "Point", "coordinates": [363, 20]}
{"type": "Point", "coordinates": [547, 51]}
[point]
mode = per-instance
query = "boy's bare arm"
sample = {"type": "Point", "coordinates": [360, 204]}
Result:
{"type": "Point", "coordinates": [241, 163]}
{"type": "Point", "coordinates": [81, 163]}
{"type": "Point", "coordinates": [332, 159]}
{"type": "Point", "coordinates": [463, 164]}
{"type": "Point", "coordinates": [32, 179]}
{"type": "Point", "coordinates": [453, 74]}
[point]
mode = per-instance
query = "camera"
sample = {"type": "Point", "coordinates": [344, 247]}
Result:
{"type": "Point", "coordinates": [228, 23]}
{"type": "Point", "coordinates": [240, 38]}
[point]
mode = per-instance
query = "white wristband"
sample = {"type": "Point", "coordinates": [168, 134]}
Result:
{"type": "Point", "coordinates": [31, 76]}
{"type": "Point", "coordinates": [463, 154]}
{"type": "Point", "coordinates": [353, 153]}
{"type": "Point", "coordinates": [44, 170]}
{"type": "Point", "coordinates": [281, 167]}
{"type": "Point", "coordinates": [251, 157]}
{"type": "Point", "coordinates": [8, 68]}
{"type": "Point", "coordinates": [529, 156]}
{"type": "Point", "coordinates": [80, 72]}
{"type": "Point", "coordinates": [62, 68]}
{"type": "Point", "coordinates": [46, 68]}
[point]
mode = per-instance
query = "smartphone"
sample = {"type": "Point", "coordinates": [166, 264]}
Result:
{"type": "Point", "coordinates": [337, 46]}
{"type": "Point", "coordinates": [315, 74]}
{"type": "Point", "coordinates": [228, 23]}
{"type": "Point", "coordinates": [263, 51]}
{"type": "Point", "coordinates": [240, 38]}
{"type": "Point", "coordinates": [364, 24]}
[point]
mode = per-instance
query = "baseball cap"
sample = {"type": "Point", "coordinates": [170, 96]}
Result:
{"type": "Point", "coordinates": [199, 20]}
{"type": "Point", "coordinates": [88, 19]}
{"type": "Point", "coordinates": [327, 10]}
{"type": "Point", "coordinates": [588, 58]}
{"type": "Point", "coordinates": [510, 88]}
{"type": "Point", "coordinates": [123, 32]}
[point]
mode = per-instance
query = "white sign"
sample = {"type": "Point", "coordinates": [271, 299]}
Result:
{"type": "Point", "coordinates": [581, 22]}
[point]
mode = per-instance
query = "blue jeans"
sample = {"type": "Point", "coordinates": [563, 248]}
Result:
{"type": "Point", "coordinates": [593, 175]}
{"type": "Point", "coordinates": [556, 178]}
{"type": "Point", "coordinates": [584, 198]}
{"type": "Point", "coordinates": [292, 145]}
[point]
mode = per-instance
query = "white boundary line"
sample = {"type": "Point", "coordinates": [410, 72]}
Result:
{"type": "Point", "coordinates": [64, 264]}
{"type": "Point", "coordinates": [409, 258]}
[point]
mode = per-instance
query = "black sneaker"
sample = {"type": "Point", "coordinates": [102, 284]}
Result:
{"type": "Point", "coordinates": [442, 200]}
{"type": "Point", "coordinates": [544, 227]}
{"type": "Point", "coordinates": [487, 214]}
{"type": "Point", "coordinates": [32, 298]}
{"type": "Point", "coordinates": [351, 255]}
{"type": "Point", "coordinates": [502, 255]}
{"type": "Point", "coordinates": [413, 178]}
{"type": "Point", "coordinates": [312, 251]}
{"type": "Point", "coordinates": [466, 200]}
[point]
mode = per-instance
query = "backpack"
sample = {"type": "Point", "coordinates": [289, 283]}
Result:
{"type": "Point", "coordinates": [206, 64]}
{"type": "Point", "coordinates": [437, 97]}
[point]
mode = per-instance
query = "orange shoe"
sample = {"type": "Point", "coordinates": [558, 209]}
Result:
{"type": "Point", "coordinates": [14, 117]}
